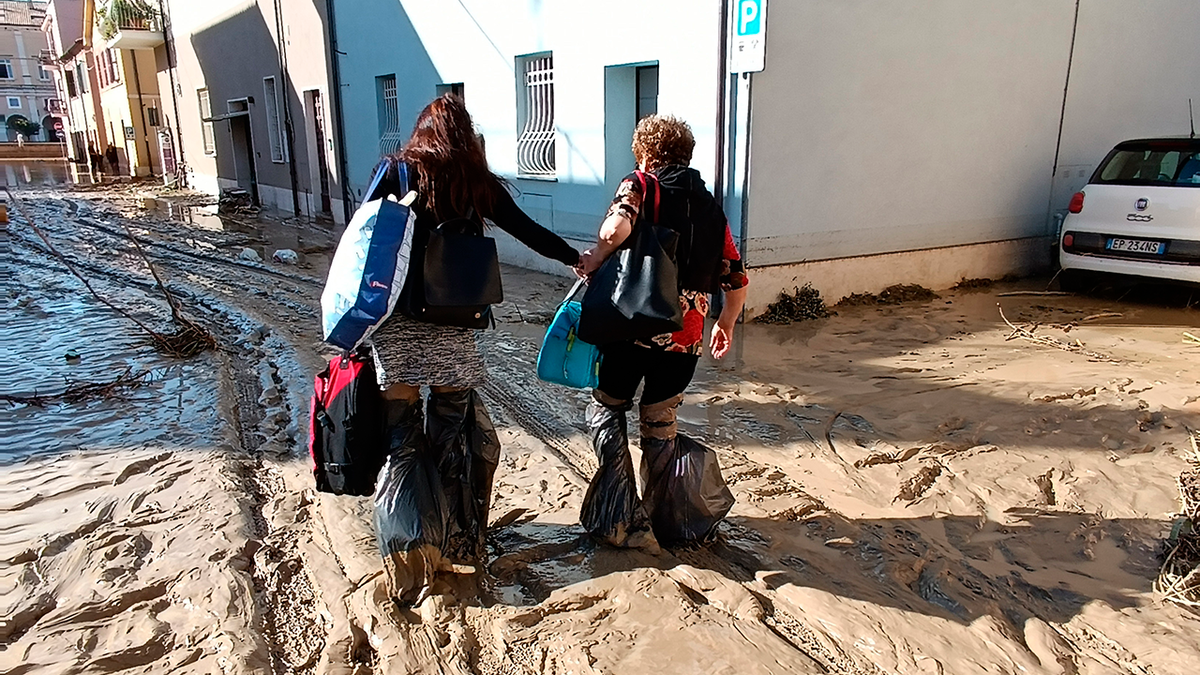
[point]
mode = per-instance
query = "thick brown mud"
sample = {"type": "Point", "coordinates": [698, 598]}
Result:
{"type": "Point", "coordinates": [917, 493]}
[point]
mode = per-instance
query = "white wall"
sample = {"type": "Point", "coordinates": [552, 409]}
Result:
{"type": "Point", "coordinates": [476, 42]}
{"type": "Point", "coordinates": [886, 125]}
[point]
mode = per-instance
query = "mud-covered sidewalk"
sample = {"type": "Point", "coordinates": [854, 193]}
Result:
{"type": "Point", "coordinates": [919, 491]}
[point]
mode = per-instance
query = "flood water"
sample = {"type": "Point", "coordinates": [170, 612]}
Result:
{"type": "Point", "coordinates": [47, 316]}
{"type": "Point", "coordinates": [21, 173]}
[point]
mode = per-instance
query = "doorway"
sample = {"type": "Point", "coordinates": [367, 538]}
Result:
{"type": "Point", "coordinates": [630, 93]}
{"type": "Point", "coordinates": [318, 160]}
{"type": "Point", "coordinates": [243, 155]}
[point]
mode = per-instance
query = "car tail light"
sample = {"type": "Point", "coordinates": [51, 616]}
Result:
{"type": "Point", "coordinates": [1076, 203]}
{"type": "Point", "coordinates": [1068, 240]}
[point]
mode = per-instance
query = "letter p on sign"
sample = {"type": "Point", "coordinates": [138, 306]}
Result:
{"type": "Point", "coordinates": [749, 17]}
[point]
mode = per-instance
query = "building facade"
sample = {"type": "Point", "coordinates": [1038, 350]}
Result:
{"type": "Point", "coordinates": [26, 87]}
{"type": "Point", "coordinates": [884, 142]}
{"type": "Point", "coordinates": [555, 88]}
{"type": "Point", "coordinates": [252, 101]}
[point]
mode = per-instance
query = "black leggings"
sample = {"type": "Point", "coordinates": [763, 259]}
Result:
{"type": "Point", "coordinates": [624, 365]}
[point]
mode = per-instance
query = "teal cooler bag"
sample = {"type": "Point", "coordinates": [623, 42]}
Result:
{"type": "Point", "coordinates": [564, 358]}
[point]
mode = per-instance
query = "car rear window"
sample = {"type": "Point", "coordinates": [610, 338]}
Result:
{"type": "Point", "coordinates": [1161, 163]}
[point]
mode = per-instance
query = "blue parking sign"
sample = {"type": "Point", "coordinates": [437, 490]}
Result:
{"type": "Point", "coordinates": [749, 17]}
{"type": "Point", "coordinates": [749, 40]}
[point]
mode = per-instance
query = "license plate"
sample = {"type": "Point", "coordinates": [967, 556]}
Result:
{"type": "Point", "coordinates": [1137, 246]}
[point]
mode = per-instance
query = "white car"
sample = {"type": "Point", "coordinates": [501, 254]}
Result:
{"type": "Point", "coordinates": [1138, 215]}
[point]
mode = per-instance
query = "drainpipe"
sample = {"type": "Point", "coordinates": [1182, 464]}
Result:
{"type": "Point", "coordinates": [137, 85]}
{"type": "Point", "coordinates": [343, 163]}
{"type": "Point", "coordinates": [289, 132]}
{"type": "Point", "coordinates": [181, 175]}
{"type": "Point", "coordinates": [722, 83]}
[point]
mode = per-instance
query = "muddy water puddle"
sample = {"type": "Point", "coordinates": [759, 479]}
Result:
{"type": "Point", "coordinates": [56, 336]}
{"type": "Point", "coordinates": [264, 233]}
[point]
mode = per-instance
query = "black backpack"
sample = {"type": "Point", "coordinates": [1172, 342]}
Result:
{"type": "Point", "coordinates": [346, 431]}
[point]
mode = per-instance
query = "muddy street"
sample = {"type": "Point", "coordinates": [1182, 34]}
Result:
{"type": "Point", "coordinates": [921, 488]}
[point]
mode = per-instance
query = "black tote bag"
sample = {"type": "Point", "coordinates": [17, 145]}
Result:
{"type": "Point", "coordinates": [635, 293]}
{"type": "Point", "coordinates": [457, 278]}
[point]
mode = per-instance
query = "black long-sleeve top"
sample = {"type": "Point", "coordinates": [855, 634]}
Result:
{"type": "Point", "coordinates": [510, 218]}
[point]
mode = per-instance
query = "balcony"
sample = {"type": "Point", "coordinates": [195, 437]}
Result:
{"type": "Point", "coordinates": [129, 24]}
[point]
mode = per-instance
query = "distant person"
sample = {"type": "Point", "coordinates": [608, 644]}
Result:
{"type": "Point", "coordinates": [20, 140]}
{"type": "Point", "coordinates": [94, 159]}
{"type": "Point", "coordinates": [114, 160]}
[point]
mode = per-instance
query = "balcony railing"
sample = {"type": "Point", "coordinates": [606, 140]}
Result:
{"type": "Point", "coordinates": [129, 24]}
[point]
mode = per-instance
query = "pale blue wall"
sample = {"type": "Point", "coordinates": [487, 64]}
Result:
{"type": "Point", "coordinates": [426, 42]}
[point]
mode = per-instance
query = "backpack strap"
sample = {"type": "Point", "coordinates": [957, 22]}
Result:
{"type": "Point", "coordinates": [648, 179]}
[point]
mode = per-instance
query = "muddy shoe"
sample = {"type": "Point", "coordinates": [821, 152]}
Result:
{"type": "Point", "coordinates": [409, 575]}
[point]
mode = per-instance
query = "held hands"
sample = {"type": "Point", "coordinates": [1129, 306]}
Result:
{"type": "Point", "coordinates": [589, 262]}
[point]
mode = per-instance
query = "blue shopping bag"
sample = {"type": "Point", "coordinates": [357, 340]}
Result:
{"type": "Point", "coordinates": [371, 262]}
{"type": "Point", "coordinates": [564, 358]}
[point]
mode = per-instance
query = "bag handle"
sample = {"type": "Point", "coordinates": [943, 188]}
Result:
{"type": "Point", "coordinates": [571, 293]}
{"type": "Point", "coordinates": [378, 188]}
{"type": "Point", "coordinates": [642, 178]}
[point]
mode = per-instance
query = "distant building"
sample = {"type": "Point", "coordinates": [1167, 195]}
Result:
{"type": "Point", "coordinates": [253, 102]}
{"type": "Point", "coordinates": [26, 88]}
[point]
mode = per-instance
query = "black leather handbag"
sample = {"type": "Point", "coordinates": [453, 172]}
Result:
{"type": "Point", "coordinates": [457, 279]}
{"type": "Point", "coordinates": [635, 293]}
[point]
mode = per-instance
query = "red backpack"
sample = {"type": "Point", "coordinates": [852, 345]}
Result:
{"type": "Point", "coordinates": [346, 431]}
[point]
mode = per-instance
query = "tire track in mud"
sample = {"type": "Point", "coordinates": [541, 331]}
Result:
{"type": "Point", "coordinates": [284, 589]}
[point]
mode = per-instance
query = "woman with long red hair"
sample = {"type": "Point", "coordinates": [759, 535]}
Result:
{"type": "Point", "coordinates": [448, 170]}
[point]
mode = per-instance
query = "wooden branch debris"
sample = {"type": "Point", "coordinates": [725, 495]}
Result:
{"type": "Point", "coordinates": [83, 391]}
{"type": "Point", "coordinates": [1179, 579]}
{"type": "Point", "coordinates": [188, 340]}
{"type": "Point", "coordinates": [1016, 294]}
{"type": "Point", "coordinates": [1028, 334]}
{"type": "Point", "coordinates": [1189, 339]}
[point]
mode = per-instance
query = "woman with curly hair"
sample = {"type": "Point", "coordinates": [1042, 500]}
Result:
{"type": "Point", "coordinates": [708, 263]}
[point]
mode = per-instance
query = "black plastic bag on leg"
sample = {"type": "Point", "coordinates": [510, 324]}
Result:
{"type": "Point", "coordinates": [410, 521]}
{"type": "Point", "coordinates": [464, 440]}
{"type": "Point", "coordinates": [612, 512]}
{"type": "Point", "coordinates": [685, 494]}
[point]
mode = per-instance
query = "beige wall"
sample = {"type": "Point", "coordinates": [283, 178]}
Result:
{"type": "Point", "coordinates": [883, 126]}
{"type": "Point", "coordinates": [121, 104]}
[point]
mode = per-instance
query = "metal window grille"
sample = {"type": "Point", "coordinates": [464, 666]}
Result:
{"type": "Point", "coordinates": [274, 128]}
{"type": "Point", "coordinates": [535, 145]}
{"type": "Point", "coordinates": [391, 136]}
{"type": "Point", "coordinates": [206, 128]}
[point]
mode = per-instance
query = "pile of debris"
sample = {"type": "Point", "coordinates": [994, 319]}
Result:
{"type": "Point", "coordinates": [892, 295]}
{"type": "Point", "coordinates": [805, 303]}
{"type": "Point", "coordinates": [1179, 579]}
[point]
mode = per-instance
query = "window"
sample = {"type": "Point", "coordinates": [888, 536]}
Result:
{"type": "Point", "coordinates": [152, 117]}
{"type": "Point", "coordinates": [274, 128]}
{"type": "Point", "coordinates": [80, 79]}
{"type": "Point", "coordinates": [535, 115]}
{"type": "Point", "coordinates": [108, 68]}
{"type": "Point", "coordinates": [455, 88]}
{"type": "Point", "coordinates": [206, 127]}
{"type": "Point", "coordinates": [6, 70]}
{"type": "Point", "coordinates": [647, 91]}
{"type": "Point", "coordinates": [1165, 163]}
{"type": "Point", "coordinates": [14, 102]}
{"type": "Point", "coordinates": [43, 74]}
{"type": "Point", "coordinates": [70, 79]}
{"type": "Point", "coordinates": [391, 136]}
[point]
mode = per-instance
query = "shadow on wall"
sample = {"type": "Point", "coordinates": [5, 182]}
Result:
{"type": "Point", "coordinates": [235, 56]}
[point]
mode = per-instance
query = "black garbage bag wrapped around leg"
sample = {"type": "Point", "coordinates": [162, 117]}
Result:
{"type": "Point", "coordinates": [467, 449]}
{"type": "Point", "coordinates": [410, 509]}
{"type": "Point", "coordinates": [685, 494]}
{"type": "Point", "coordinates": [612, 512]}
{"type": "Point", "coordinates": [683, 490]}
